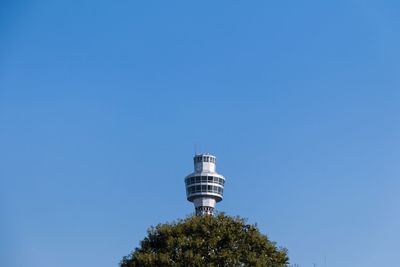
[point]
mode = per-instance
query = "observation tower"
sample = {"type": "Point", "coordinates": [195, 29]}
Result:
{"type": "Point", "coordinates": [204, 187]}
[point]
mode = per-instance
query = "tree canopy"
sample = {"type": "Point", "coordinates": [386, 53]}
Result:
{"type": "Point", "coordinates": [206, 241]}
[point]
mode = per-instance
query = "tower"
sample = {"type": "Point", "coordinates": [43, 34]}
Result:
{"type": "Point", "coordinates": [204, 187]}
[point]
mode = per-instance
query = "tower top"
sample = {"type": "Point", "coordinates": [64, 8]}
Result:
{"type": "Point", "coordinates": [204, 163]}
{"type": "Point", "coordinates": [204, 187]}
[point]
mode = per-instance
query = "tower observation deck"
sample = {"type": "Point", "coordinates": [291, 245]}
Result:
{"type": "Point", "coordinates": [204, 187]}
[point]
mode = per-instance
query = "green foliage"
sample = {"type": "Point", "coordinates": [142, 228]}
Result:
{"type": "Point", "coordinates": [206, 241]}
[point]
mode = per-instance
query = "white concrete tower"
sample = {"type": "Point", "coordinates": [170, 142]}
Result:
{"type": "Point", "coordinates": [204, 187]}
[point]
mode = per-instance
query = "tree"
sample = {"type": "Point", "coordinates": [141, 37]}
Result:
{"type": "Point", "coordinates": [206, 241]}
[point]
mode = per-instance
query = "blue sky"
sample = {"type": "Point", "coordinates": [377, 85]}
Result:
{"type": "Point", "coordinates": [102, 104]}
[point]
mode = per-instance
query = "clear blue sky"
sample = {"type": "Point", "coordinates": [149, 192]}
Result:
{"type": "Point", "coordinates": [103, 102]}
